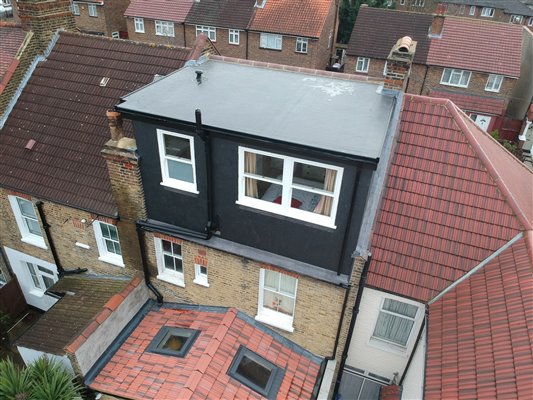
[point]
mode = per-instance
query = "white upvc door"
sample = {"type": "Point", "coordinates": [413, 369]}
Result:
{"type": "Point", "coordinates": [483, 121]}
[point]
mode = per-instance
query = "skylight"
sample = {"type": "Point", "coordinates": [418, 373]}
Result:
{"type": "Point", "coordinates": [173, 341]}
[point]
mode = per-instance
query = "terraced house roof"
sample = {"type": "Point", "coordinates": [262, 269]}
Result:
{"type": "Point", "coordinates": [63, 109]}
{"type": "Point", "coordinates": [165, 10]}
{"type": "Point", "coordinates": [234, 14]}
{"type": "Point", "coordinates": [292, 17]}
{"type": "Point", "coordinates": [11, 38]}
{"type": "Point", "coordinates": [509, 6]}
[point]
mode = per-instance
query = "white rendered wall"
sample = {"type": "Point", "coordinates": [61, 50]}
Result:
{"type": "Point", "coordinates": [413, 384]}
{"type": "Point", "coordinates": [30, 355]}
{"type": "Point", "coordinates": [373, 355]}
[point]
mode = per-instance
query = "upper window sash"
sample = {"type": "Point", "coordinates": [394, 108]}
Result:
{"type": "Point", "coordinates": [494, 83]}
{"type": "Point", "coordinates": [210, 32]}
{"type": "Point", "coordinates": [362, 64]}
{"type": "Point", "coordinates": [271, 41]}
{"type": "Point", "coordinates": [139, 25]}
{"type": "Point", "coordinates": [75, 8]}
{"type": "Point", "coordinates": [176, 154]}
{"type": "Point", "coordinates": [108, 243]}
{"type": "Point", "coordinates": [93, 12]}
{"type": "Point", "coordinates": [302, 44]}
{"type": "Point", "coordinates": [472, 10]}
{"type": "Point", "coordinates": [233, 36]}
{"type": "Point", "coordinates": [487, 12]}
{"type": "Point", "coordinates": [516, 19]}
{"type": "Point", "coordinates": [395, 322]}
{"type": "Point", "coordinates": [27, 221]}
{"type": "Point", "coordinates": [285, 193]}
{"type": "Point", "coordinates": [455, 77]}
{"type": "Point", "coordinates": [164, 28]}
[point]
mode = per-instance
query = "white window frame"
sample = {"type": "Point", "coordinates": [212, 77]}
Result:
{"type": "Point", "coordinates": [418, 3]}
{"type": "Point", "coordinates": [270, 41]}
{"type": "Point", "coordinates": [487, 12]}
{"type": "Point", "coordinates": [115, 35]}
{"type": "Point", "coordinates": [3, 279]}
{"type": "Point", "coordinates": [75, 8]}
{"type": "Point", "coordinates": [139, 25]}
{"type": "Point", "coordinates": [26, 235]}
{"type": "Point", "coordinates": [201, 278]}
{"type": "Point", "coordinates": [455, 72]}
{"type": "Point", "coordinates": [472, 11]}
{"type": "Point", "coordinates": [234, 36]}
{"type": "Point", "coordinates": [516, 19]}
{"type": "Point", "coordinates": [530, 21]}
{"type": "Point", "coordinates": [93, 11]}
{"type": "Point", "coordinates": [402, 2]}
{"type": "Point", "coordinates": [385, 68]}
{"type": "Point", "coordinates": [389, 343]}
{"type": "Point", "coordinates": [287, 185]}
{"type": "Point", "coordinates": [210, 31]}
{"type": "Point", "coordinates": [165, 274]}
{"type": "Point", "coordinates": [362, 64]}
{"type": "Point", "coordinates": [302, 45]}
{"type": "Point", "coordinates": [494, 83]}
{"type": "Point", "coordinates": [36, 273]}
{"type": "Point", "coordinates": [164, 28]}
{"type": "Point", "coordinates": [272, 317]}
{"type": "Point", "coordinates": [106, 255]}
{"type": "Point", "coordinates": [163, 157]}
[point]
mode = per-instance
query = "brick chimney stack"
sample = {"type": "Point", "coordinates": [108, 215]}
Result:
{"type": "Point", "coordinates": [399, 64]}
{"type": "Point", "coordinates": [435, 30]}
{"type": "Point", "coordinates": [114, 119]}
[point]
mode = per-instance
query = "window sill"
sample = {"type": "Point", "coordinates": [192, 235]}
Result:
{"type": "Point", "coordinates": [112, 260]}
{"type": "Point", "coordinates": [387, 346]}
{"type": "Point", "coordinates": [492, 91]}
{"type": "Point", "coordinates": [177, 186]}
{"type": "Point", "coordinates": [139, 31]}
{"type": "Point", "coordinates": [37, 292]}
{"type": "Point", "coordinates": [158, 34]}
{"type": "Point", "coordinates": [275, 322]}
{"type": "Point", "coordinates": [174, 280]}
{"type": "Point", "coordinates": [201, 282]}
{"type": "Point", "coordinates": [452, 85]}
{"type": "Point", "coordinates": [268, 48]}
{"type": "Point", "coordinates": [35, 241]}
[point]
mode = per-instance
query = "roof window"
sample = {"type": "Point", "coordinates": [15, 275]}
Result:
{"type": "Point", "coordinates": [172, 341]}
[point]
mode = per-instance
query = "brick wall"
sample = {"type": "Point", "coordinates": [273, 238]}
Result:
{"type": "Point", "coordinates": [86, 23]}
{"type": "Point", "coordinates": [409, 5]}
{"type": "Point", "coordinates": [149, 35]}
{"type": "Point", "coordinates": [476, 85]}
{"type": "Point", "coordinates": [222, 42]}
{"type": "Point", "coordinates": [234, 282]}
{"type": "Point", "coordinates": [114, 16]}
{"type": "Point", "coordinates": [67, 228]}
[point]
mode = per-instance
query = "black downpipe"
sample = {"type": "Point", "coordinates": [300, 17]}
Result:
{"type": "Point", "coordinates": [424, 81]}
{"type": "Point", "coordinates": [46, 227]}
{"type": "Point", "coordinates": [146, 271]}
{"type": "Point", "coordinates": [414, 347]}
{"type": "Point", "coordinates": [355, 311]}
{"type": "Point", "coordinates": [209, 169]}
{"type": "Point", "coordinates": [345, 238]}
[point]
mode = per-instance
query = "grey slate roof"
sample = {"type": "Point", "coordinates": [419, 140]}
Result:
{"type": "Point", "coordinates": [86, 295]}
{"type": "Point", "coordinates": [509, 6]}
{"type": "Point", "coordinates": [376, 30]}
{"type": "Point", "coordinates": [335, 114]}
{"type": "Point", "coordinates": [233, 14]}
{"type": "Point", "coordinates": [63, 109]}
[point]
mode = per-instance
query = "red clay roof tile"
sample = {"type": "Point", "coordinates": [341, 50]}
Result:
{"type": "Point", "coordinates": [166, 10]}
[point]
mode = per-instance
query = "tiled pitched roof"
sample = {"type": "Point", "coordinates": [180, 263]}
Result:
{"type": "Point", "coordinates": [63, 109]}
{"type": "Point", "coordinates": [480, 334]}
{"type": "Point", "coordinates": [445, 206]}
{"type": "Point", "coordinates": [370, 38]}
{"type": "Point", "coordinates": [472, 102]}
{"type": "Point", "coordinates": [509, 6]}
{"type": "Point", "coordinates": [292, 17]}
{"type": "Point", "coordinates": [135, 373]}
{"type": "Point", "coordinates": [165, 10]}
{"type": "Point", "coordinates": [221, 13]}
{"type": "Point", "coordinates": [469, 43]}
{"type": "Point", "coordinates": [84, 297]}
{"type": "Point", "coordinates": [11, 37]}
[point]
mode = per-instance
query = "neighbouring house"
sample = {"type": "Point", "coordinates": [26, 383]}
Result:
{"type": "Point", "coordinates": [175, 351]}
{"type": "Point", "coordinates": [447, 297]}
{"type": "Point", "coordinates": [57, 207]}
{"type": "Point", "coordinates": [101, 17]}
{"type": "Point", "coordinates": [456, 60]}
{"type": "Point", "coordinates": [510, 11]}
{"type": "Point", "coordinates": [276, 31]}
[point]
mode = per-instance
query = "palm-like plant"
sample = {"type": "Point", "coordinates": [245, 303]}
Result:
{"type": "Point", "coordinates": [42, 380]}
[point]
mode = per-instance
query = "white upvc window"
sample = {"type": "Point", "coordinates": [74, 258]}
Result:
{"type": "Point", "coordinates": [169, 262]}
{"type": "Point", "coordinates": [234, 36]}
{"type": "Point", "coordinates": [362, 64]}
{"type": "Point", "coordinates": [455, 77]}
{"type": "Point", "coordinates": [115, 35]}
{"type": "Point", "coordinates": [75, 8]}
{"type": "Point", "coordinates": [164, 28]}
{"type": "Point", "coordinates": [42, 278]}
{"type": "Point", "coordinates": [176, 154]}
{"type": "Point", "coordinates": [302, 44]}
{"type": "Point", "coordinates": [139, 25]}
{"type": "Point", "coordinates": [395, 322]}
{"type": "Point", "coordinates": [28, 224]}
{"type": "Point", "coordinates": [418, 3]}
{"type": "Point", "coordinates": [402, 2]}
{"type": "Point", "coordinates": [472, 11]}
{"type": "Point", "coordinates": [3, 279]}
{"type": "Point", "coordinates": [516, 19]}
{"type": "Point", "coordinates": [494, 83]}
{"type": "Point", "coordinates": [293, 187]}
{"type": "Point", "coordinates": [487, 12]}
{"type": "Point", "coordinates": [271, 41]}
{"type": "Point", "coordinates": [200, 275]}
{"type": "Point", "coordinates": [108, 243]}
{"type": "Point", "coordinates": [93, 12]}
{"type": "Point", "coordinates": [209, 31]}
{"type": "Point", "coordinates": [277, 299]}
{"type": "Point", "coordinates": [530, 21]}
{"type": "Point", "coordinates": [385, 69]}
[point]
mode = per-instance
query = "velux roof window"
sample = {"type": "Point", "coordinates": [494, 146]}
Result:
{"type": "Point", "coordinates": [173, 341]}
{"type": "Point", "coordinates": [256, 372]}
